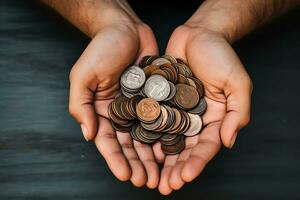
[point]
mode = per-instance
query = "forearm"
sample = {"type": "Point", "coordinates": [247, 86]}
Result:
{"type": "Point", "coordinates": [91, 15]}
{"type": "Point", "coordinates": [235, 18]}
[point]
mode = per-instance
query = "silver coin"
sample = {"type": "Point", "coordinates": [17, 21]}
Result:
{"type": "Point", "coordinates": [133, 78]}
{"type": "Point", "coordinates": [160, 61]}
{"type": "Point", "coordinates": [157, 87]}
{"type": "Point", "coordinates": [128, 94]}
{"type": "Point", "coordinates": [195, 125]}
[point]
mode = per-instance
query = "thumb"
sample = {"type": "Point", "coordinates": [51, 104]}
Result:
{"type": "Point", "coordinates": [238, 112]}
{"type": "Point", "coordinates": [81, 107]}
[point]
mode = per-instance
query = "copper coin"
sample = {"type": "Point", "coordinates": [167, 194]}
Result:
{"type": "Point", "coordinates": [115, 118]}
{"type": "Point", "coordinates": [161, 72]}
{"type": "Point", "coordinates": [181, 69]}
{"type": "Point", "coordinates": [120, 128]}
{"type": "Point", "coordinates": [132, 105]}
{"type": "Point", "coordinates": [173, 71]}
{"type": "Point", "coordinates": [147, 60]}
{"type": "Point", "coordinates": [154, 125]}
{"type": "Point", "coordinates": [186, 96]}
{"type": "Point", "coordinates": [150, 69]}
{"type": "Point", "coordinates": [188, 122]}
{"type": "Point", "coordinates": [199, 86]}
{"type": "Point", "coordinates": [191, 82]}
{"type": "Point", "coordinates": [116, 106]}
{"type": "Point", "coordinates": [125, 110]}
{"type": "Point", "coordinates": [187, 70]}
{"type": "Point", "coordinates": [200, 108]}
{"type": "Point", "coordinates": [182, 79]}
{"type": "Point", "coordinates": [177, 121]}
{"type": "Point", "coordinates": [170, 58]}
{"type": "Point", "coordinates": [148, 110]}
{"type": "Point", "coordinates": [170, 120]}
{"type": "Point", "coordinates": [181, 61]}
{"type": "Point", "coordinates": [160, 61]}
{"type": "Point", "coordinates": [174, 149]}
{"type": "Point", "coordinates": [140, 135]}
{"type": "Point", "coordinates": [150, 135]}
{"type": "Point", "coordinates": [175, 139]}
{"type": "Point", "coordinates": [133, 133]}
{"type": "Point", "coordinates": [165, 116]}
{"type": "Point", "coordinates": [168, 138]}
{"type": "Point", "coordinates": [183, 122]}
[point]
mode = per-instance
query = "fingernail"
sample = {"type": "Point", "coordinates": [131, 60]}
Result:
{"type": "Point", "coordinates": [84, 131]}
{"type": "Point", "coordinates": [233, 140]}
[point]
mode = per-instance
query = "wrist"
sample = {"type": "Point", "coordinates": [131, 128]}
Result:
{"type": "Point", "coordinates": [93, 15]}
{"type": "Point", "coordinates": [231, 20]}
{"type": "Point", "coordinates": [113, 13]}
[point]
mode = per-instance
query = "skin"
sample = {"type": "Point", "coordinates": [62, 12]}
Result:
{"type": "Point", "coordinates": [120, 38]}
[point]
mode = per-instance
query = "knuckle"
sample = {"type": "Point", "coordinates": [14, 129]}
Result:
{"type": "Point", "coordinates": [245, 120]}
{"type": "Point", "coordinates": [72, 110]}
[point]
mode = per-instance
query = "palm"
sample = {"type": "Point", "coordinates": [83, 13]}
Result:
{"type": "Point", "coordinates": [211, 59]}
{"type": "Point", "coordinates": [110, 53]}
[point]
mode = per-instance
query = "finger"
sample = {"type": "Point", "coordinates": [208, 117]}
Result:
{"type": "Point", "coordinates": [146, 155]}
{"type": "Point", "coordinates": [138, 175]}
{"type": "Point", "coordinates": [81, 106]}
{"type": "Point", "coordinates": [237, 113]}
{"type": "Point", "coordinates": [108, 145]}
{"type": "Point", "coordinates": [158, 153]}
{"type": "Point", "coordinates": [176, 44]}
{"type": "Point", "coordinates": [208, 145]}
{"type": "Point", "coordinates": [148, 45]}
{"type": "Point", "coordinates": [176, 181]}
{"type": "Point", "coordinates": [101, 107]}
{"type": "Point", "coordinates": [164, 187]}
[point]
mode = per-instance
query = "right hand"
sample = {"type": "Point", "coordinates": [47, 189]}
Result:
{"type": "Point", "coordinates": [94, 82]}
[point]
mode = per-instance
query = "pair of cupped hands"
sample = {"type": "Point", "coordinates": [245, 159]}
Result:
{"type": "Point", "coordinates": [95, 82]}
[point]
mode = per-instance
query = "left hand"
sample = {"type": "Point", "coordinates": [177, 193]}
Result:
{"type": "Point", "coordinates": [227, 92]}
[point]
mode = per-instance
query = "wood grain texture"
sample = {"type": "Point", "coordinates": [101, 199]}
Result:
{"type": "Point", "coordinates": [43, 154]}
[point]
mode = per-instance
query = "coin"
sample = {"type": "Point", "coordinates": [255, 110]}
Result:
{"type": "Point", "coordinates": [150, 69]}
{"type": "Point", "coordinates": [199, 86]}
{"type": "Point", "coordinates": [154, 125]}
{"type": "Point", "coordinates": [120, 128]}
{"type": "Point", "coordinates": [140, 135]}
{"type": "Point", "coordinates": [148, 110]}
{"type": "Point", "coordinates": [200, 108]}
{"type": "Point", "coordinates": [168, 139]}
{"type": "Point", "coordinates": [133, 78]}
{"type": "Point", "coordinates": [133, 133]}
{"type": "Point", "coordinates": [174, 149]}
{"type": "Point", "coordinates": [172, 91]}
{"type": "Point", "coordinates": [162, 100]}
{"type": "Point", "coordinates": [157, 87]}
{"type": "Point", "coordinates": [160, 61]}
{"type": "Point", "coordinates": [195, 126]}
{"type": "Point", "coordinates": [150, 135]}
{"type": "Point", "coordinates": [171, 70]}
{"type": "Point", "coordinates": [160, 72]}
{"type": "Point", "coordinates": [170, 58]}
{"type": "Point", "coordinates": [186, 96]}
{"type": "Point", "coordinates": [115, 118]}
{"type": "Point", "coordinates": [177, 121]}
{"type": "Point", "coordinates": [191, 82]}
{"type": "Point", "coordinates": [147, 60]}
{"type": "Point", "coordinates": [182, 79]}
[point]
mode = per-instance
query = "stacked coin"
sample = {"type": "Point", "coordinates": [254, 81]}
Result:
{"type": "Point", "coordinates": [160, 100]}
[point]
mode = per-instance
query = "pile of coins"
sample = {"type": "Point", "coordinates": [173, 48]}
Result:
{"type": "Point", "coordinates": [160, 100]}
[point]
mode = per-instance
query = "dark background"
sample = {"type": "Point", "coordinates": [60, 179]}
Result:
{"type": "Point", "coordinates": [44, 156]}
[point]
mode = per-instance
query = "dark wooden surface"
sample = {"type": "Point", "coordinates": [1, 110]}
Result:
{"type": "Point", "coordinates": [43, 154]}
